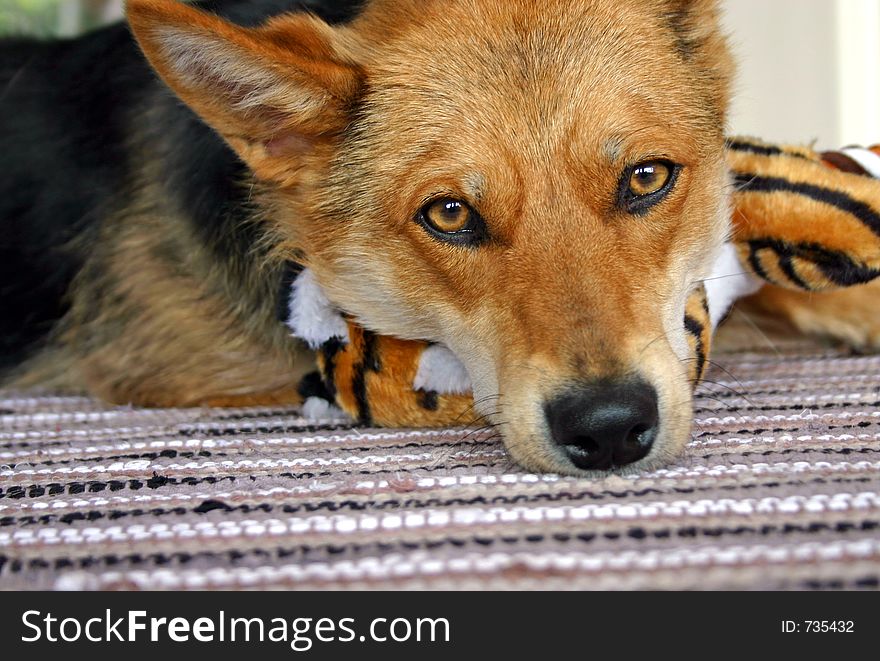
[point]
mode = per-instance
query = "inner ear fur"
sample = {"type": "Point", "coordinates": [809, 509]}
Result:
{"type": "Point", "coordinates": [272, 92]}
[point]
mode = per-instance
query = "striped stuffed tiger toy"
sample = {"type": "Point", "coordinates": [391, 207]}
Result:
{"type": "Point", "coordinates": [802, 220]}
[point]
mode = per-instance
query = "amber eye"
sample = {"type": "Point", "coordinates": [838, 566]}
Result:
{"type": "Point", "coordinates": [646, 184]}
{"type": "Point", "coordinates": [448, 216]}
{"type": "Point", "coordinates": [453, 221]}
{"type": "Point", "coordinates": [649, 178]}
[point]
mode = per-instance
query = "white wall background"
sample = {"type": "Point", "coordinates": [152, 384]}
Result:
{"type": "Point", "coordinates": [808, 70]}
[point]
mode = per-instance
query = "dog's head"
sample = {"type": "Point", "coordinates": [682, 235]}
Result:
{"type": "Point", "coordinates": [537, 185]}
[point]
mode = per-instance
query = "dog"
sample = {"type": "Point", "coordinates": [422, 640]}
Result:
{"type": "Point", "coordinates": [538, 186]}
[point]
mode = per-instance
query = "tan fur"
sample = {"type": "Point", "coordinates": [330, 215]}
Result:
{"type": "Point", "coordinates": [156, 321]}
{"type": "Point", "coordinates": [528, 110]}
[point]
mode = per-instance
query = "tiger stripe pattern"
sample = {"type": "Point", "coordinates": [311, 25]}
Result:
{"type": "Point", "coordinates": [806, 220]}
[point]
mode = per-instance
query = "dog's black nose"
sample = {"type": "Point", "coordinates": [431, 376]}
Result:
{"type": "Point", "coordinates": [605, 424]}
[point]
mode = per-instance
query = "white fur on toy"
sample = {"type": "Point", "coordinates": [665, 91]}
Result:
{"type": "Point", "coordinates": [728, 283]}
{"type": "Point", "coordinates": [315, 408]}
{"type": "Point", "coordinates": [442, 372]}
{"type": "Point", "coordinates": [315, 320]}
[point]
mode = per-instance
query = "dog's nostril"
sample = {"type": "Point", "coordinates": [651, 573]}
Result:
{"type": "Point", "coordinates": [640, 436]}
{"type": "Point", "coordinates": [584, 452]}
{"type": "Point", "coordinates": [606, 424]}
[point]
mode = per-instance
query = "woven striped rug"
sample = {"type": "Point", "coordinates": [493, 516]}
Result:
{"type": "Point", "coordinates": [777, 490]}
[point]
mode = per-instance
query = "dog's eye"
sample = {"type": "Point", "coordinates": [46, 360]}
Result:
{"type": "Point", "coordinates": [448, 215]}
{"type": "Point", "coordinates": [649, 178]}
{"type": "Point", "coordinates": [645, 184]}
{"type": "Point", "coordinates": [452, 220]}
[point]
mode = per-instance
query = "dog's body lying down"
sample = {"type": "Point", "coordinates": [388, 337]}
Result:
{"type": "Point", "coordinates": [537, 185]}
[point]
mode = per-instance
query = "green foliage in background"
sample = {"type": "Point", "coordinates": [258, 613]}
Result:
{"type": "Point", "coordinates": [55, 17]}
{"type": "Point", "coordinates": [29, 16]}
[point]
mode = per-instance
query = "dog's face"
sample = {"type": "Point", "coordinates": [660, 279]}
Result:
{"type": "Point", "coordinates": [537, 185]}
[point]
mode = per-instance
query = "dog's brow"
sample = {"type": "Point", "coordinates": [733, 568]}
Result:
{"type": "Point", "coordinates": [474, 184]}
{"type": "Point", "coordinates": [613, 148]}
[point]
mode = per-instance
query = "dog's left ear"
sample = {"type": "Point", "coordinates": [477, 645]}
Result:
{"type": "Point", "coordinates": [273, 92]}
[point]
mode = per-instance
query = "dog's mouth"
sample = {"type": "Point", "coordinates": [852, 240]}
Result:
{"type": "Point", "coordinates": [586, 427]}
{"type": "Point", "coordinates": [637, 416]}
{"type": "Point", "coordinates": [593, 427]}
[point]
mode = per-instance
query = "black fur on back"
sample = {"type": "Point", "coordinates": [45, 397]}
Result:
{"type": "Point", "coordinates": [66, 160]}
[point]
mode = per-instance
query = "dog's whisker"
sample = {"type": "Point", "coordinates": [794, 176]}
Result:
{"type": "Point", "coordinates": [705, 391]}
{"type": "Point", "coordinates": [742, 185]}
{"type": "Point", "coordinates": [475, 432]}
{"type": "Point", "coordinates": [726, 371]}
{"type": "Point", "coordinates": [722, 369]}
{"type": "Point", "coordinates": [649, 344]}
{"type": "Point", "coordinates": [473, 408]}
{"type": "Point", "coordinates": [734, 391]}
{"type": "Point", "coordinates": [717, 399]}
{"type": "Point", "coordinates": [722, 277]}
{"type": "Point", "coordinates": [758, 330]}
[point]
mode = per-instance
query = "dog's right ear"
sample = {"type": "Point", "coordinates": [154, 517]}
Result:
{"type": "Point", "coordinates": [273, 92]}
{"type": "Point", "coordinates": [700, 41]}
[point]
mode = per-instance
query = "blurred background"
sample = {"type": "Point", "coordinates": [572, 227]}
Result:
{"type": "Point", "coordinates": [809, 70]}
{"type": "Point", "coordinates": [56, 17]}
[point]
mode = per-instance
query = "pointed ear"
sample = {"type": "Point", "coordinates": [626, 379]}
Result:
{"type": "Point", "coordinates": [693, 22]}
{"type": "Point", "coordinates": [272, 92]}
{"type": "Point", "coordinates": [700, 41]}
